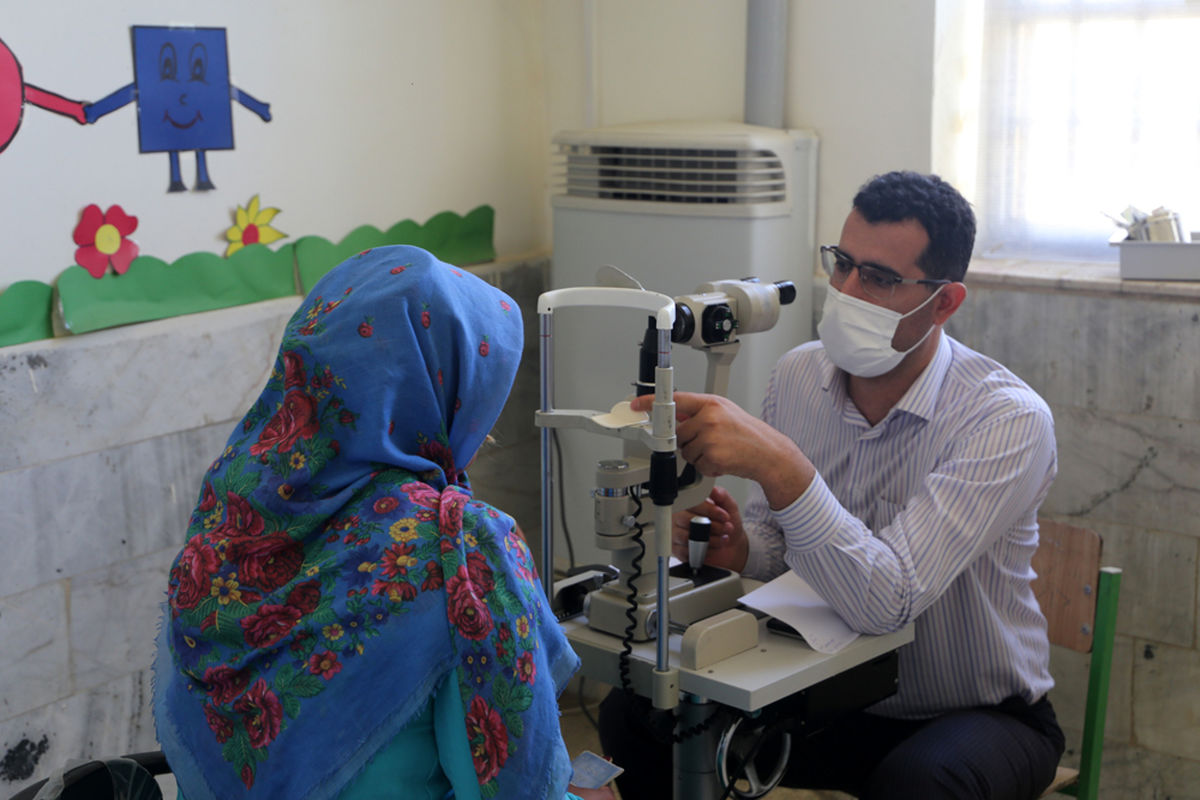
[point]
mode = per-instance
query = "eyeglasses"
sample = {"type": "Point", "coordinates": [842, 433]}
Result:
{"type": "Point", "coordinates": [878, 282]}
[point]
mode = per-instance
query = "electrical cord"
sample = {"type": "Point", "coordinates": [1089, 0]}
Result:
{"type": "Point", "coordinates": [697, 729]}
{"type": "Point", "coordinates": [631, 607]}
{"type": "Point", "coordinates": [562, 501]}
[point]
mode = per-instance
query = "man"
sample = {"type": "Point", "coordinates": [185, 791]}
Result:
{"type": "Point", "coordinates": [900, 474]}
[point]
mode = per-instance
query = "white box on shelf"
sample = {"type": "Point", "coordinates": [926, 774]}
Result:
{"type": "Point", "coordinates": [1160, 261]}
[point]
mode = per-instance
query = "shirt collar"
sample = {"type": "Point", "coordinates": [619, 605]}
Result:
{"type": "Point", "coordinates": [921, 398]}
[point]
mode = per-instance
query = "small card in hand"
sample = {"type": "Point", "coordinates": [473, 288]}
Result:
{"type": "Point", "coordinates": [593, 771]}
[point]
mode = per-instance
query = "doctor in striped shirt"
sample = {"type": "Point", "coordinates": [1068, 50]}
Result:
{"type": "Point", "coordinates": [900, 473]}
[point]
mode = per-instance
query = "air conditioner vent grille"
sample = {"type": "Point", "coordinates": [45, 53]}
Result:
{"type": "Point", "coordinates": [671, 174]}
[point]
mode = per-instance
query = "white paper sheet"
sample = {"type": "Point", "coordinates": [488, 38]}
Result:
{"type": "Point", "coordinates": [791, 599]}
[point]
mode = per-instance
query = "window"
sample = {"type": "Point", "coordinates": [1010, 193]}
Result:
{"type": "Point", "coordinates": [1068, 110]}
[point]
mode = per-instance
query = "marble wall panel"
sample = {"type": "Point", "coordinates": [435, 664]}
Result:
{"type": "Point", "coordinates": [1069, 695]}
{"type": "Point", "coordinates": [1158, 581]}
{"type": "Point", "coordinates": [1104, 352]}
{"type": "Point", "coordinates": [113, 719]}
{"type": "Point", "coordinates": [35, 660]}
{"type": "Point", "coordinates": [1166, 699]}
{"type": "Point", "coordinates": [1134, 773]}
{"type": "Point", "coordinates": [115, 617]}
{"type": "Point", "coordinates": [1132, 469]}
{"type": "Point", "coordinates": [68, 396]}
{"type": "Point", "coordinates": [68, 516]}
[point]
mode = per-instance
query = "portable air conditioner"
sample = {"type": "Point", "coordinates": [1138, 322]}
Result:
{"type": "Point", "coordinates": [674, 205]}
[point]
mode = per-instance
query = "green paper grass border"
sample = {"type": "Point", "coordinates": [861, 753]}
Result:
{"type": "Point", "coordinates": [458, 240]}
{"type": "Point", "coordinates": [152, 289]}
{"type": "Point", "coordinates": [25, 308]}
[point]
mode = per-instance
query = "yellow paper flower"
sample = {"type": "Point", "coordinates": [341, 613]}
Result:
{"type": "Point", "coordinates": [252, 227]}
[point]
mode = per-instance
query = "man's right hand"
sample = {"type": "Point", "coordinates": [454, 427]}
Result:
{"type": "Point", "coordinates": [719, 438]}
{"type": "Point", "coordinates": [728, 546]}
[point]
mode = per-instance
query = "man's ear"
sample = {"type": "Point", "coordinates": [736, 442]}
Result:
{"type": "Point", "coordinates": [948, 300]}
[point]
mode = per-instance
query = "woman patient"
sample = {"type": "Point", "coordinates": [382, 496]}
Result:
{"type": "Point", "coordinates": [346, 619]}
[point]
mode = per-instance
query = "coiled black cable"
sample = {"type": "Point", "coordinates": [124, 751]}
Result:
{"type": "Point", "coordinates": [631, 607]}
{"type": "Point", "coordinates": [697, 729]}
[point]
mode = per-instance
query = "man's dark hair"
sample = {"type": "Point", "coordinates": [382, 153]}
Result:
{"type": "Point", "coordinates": [945, 215]}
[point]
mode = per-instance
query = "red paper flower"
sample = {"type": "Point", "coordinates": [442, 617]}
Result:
{"type": "Point", "coordinates": [102, 240]}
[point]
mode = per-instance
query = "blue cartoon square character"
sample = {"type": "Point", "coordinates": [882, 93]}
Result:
{"type": "Point", "coordinates": [183, 95]}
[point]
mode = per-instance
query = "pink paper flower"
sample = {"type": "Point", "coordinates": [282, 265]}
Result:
{"type": "Point", "coordinates": [103, 240]}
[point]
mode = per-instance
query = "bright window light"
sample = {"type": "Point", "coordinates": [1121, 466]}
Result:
{"type": "Point", "coordinates": [1085, 107]}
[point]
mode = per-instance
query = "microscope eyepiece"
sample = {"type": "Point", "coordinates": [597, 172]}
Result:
{"type": "Point", "coordinates": [685, 324]}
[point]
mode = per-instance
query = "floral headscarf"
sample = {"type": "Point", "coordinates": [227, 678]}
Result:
{"type": "Point", "coordinates": [338, 568]}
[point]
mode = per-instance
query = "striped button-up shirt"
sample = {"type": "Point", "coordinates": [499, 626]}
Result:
{"type": "Point", "coordinates": [930, 515]}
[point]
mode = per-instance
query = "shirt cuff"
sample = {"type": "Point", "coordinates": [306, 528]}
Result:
{"type": "Point", "coordinates": [812, 519]}
{"type": "Point", "coordinates": [757, 560]}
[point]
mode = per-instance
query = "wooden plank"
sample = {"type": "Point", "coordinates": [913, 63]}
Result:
{"type": "Point", "coordinates": [1067, 563]}
{"type": "Point", "coordinates": [1063, 777]}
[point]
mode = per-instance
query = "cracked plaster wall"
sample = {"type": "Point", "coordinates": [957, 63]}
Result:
{"type": "Point", "coordinates": [1121, 373]}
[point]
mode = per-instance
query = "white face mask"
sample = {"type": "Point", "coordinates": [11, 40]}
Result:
{"type": "Point", "coordinates": [858, 335]}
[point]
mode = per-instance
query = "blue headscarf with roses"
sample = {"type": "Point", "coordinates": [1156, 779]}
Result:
{"type": "Point", "coordinates": [338, 568]}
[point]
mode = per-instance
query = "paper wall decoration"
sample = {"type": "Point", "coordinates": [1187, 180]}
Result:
{"type": "Point", "coordinates": [15, 93]}
{"type": "Point", "coordinates": [25, 312]}
{"type": "Point", "coordinates": [183, 95]}
{"type": "Point", "coordinates": [103, 239]}
{"type": "Point", "coordinates": [452, 238]}
{"type": "Point", "coordinates": [152, 289]}
{"type": "Point", "coordinates": [251, 225]}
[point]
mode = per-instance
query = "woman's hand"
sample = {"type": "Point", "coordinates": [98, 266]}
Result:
{"type": "Point", "coordinates": [603, 793]}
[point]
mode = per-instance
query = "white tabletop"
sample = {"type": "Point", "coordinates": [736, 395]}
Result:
{"type": "Point", "coordinates": [778, 667]}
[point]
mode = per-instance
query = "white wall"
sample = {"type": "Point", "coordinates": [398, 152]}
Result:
{"type": "Point", "coordinates": [610, 62]}
{"type": "Point", "coordinates": [382, 111]}
{"type": "Point", "coordinates": [860, 74]}
{"type": "Point", "coordinates": [386, 110]}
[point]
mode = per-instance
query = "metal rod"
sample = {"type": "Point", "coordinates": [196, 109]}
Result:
{"type": "Point", "coordinates": [766, 62]}
{"type": "Point", "coordinates": [546, 400]}
{"type": "Point", "coordinates": [662, 514]}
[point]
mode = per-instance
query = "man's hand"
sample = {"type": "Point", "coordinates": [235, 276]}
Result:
{"type": "Point", "coordinates": [719, 438]}
{"type": "Point", "coordinates": [728, 546]}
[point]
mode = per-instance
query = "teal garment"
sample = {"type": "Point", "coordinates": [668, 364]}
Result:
{"type": "Point", "coordinates": [430, 759]}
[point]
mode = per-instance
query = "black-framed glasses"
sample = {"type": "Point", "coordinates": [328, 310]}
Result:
{"type": "Point", "coordinates": [878, 282]}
